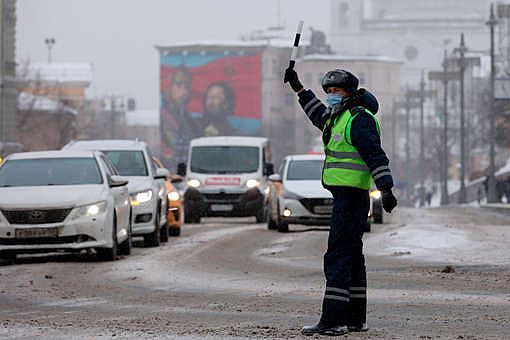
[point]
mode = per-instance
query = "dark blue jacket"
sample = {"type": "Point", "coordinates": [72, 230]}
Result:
{"type": "Point", "coordinates": [364, 135]}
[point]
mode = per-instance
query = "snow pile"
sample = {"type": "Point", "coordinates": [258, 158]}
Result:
{"type": "Point", "coordinates": [443, 239]}
{"type": "Point", "coordinates": [426, 242]}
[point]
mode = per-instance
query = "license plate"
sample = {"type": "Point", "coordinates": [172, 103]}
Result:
{"type": "Point", "coordinates": [323, 209]}
{"type": "Point", "coordinates": [222, 207]}
{"type": "Point", "coordinates": [36, 232]}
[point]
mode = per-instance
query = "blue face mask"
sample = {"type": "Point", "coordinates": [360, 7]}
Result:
{"type": "Point", "coordinates": [333, 99]}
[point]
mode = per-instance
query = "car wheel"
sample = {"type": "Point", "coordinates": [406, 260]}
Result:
{"type": "Point", "coordinates": [261, 215]}
{"type": "Point", "coordinates": [7, 258]}
{"type": "Point", "coordinates": [153, 239]}
{"type": "Point", "coordinates": [283, 227]}
{"type": "Point", "coordinates": [271, 224]}
{"type": "Point", "coordinates": [196, 218]}
{"type": "Point", "coordinates": [191, 216]}
{"type": "Point", "coordinates": [174, 232]}
{"type": "Point", "coordinates": [125, 247]}
{"type": "Point", "coordinates": [164, 233]}
{"type": "Point", "coordinates": [110, 254]}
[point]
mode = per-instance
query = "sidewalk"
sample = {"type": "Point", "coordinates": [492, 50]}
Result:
{"type": "Point", "coordinates": [503, 208]}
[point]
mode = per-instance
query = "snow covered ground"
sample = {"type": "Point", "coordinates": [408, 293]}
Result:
{"type": "Point", "coordinates": [445, 236]}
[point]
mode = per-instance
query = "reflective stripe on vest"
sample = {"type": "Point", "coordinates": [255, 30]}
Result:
{"type": "Point", "coordinates": [344, 165]}
{"type": "Point", "coordinates": [349, 166]}
{"type": "Point", "coordinates": [352, 155]}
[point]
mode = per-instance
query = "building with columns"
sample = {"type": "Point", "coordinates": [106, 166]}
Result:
{"type": "Point", "coordinates": [413, 31]}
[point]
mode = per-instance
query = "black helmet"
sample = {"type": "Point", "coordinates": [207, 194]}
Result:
{"type": "Point", "coordinates": [340, 78]}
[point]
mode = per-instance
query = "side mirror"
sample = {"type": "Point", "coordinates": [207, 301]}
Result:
{"type": "Point", "coordinates": [275, 178]}
{"type": "Point", "coordinates": [176, 179]}
{"type": "Point", "coordinates": [181, 169]}
{"type": "Point", "coordinates": [268, 169]}
{"type": "Point", "coordinates": [161, 173]}
{"type": "Point", "coordinates": [117, 181]}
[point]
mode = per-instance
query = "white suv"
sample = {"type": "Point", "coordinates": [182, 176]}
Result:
{"type": "Point", "coordinates": [147, 190]}
{"type": "Point", "coordinates": [62, 200]}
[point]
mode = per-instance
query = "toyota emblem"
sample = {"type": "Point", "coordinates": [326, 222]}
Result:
{"type": "Point", "coordinates": [36, 215]}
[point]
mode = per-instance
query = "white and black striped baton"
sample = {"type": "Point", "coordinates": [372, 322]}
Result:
{"type": "Point", "coordinates": [294, 53]}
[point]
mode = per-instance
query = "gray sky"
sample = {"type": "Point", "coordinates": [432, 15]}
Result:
{"type": "Point", "coordinates": [118, 36]}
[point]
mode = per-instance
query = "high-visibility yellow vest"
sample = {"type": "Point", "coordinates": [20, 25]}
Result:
{"type": "Point", "coordinates": [343, 165]}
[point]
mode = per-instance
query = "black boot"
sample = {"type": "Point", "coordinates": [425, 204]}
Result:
{"type": "Point", "coordinates": [358, 328]}
{"type": "Point", "coordinates": [325, 329]}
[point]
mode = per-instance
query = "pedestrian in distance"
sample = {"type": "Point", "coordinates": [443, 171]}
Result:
{"type": "Point", "coordinates": [354, 156]}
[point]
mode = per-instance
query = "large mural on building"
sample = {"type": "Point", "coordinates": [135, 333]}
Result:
{"type": "Point", "coordinates": [207, 94]}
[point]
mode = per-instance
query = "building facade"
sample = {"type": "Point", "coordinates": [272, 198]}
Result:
{"type": "Point", "coordinates": [8, 93]}
{"type": "Point", "coordinates": [414, 31]}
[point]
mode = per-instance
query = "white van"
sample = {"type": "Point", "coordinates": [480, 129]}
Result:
{"type": "Point", "coordinates": [226, 176]}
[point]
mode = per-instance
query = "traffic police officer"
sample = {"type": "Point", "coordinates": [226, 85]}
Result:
{"type": "Point", "coordinates": [354, 156]}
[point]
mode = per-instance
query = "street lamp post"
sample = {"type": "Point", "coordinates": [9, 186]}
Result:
{"type": "Point", "coordinates": [50, 42]}
{"type": "Point", "coordinates": [491, 194]}
{"type": "Point", "coordinates": [462, 63]}
{"type": "Point", "coordinates": [444, 184]}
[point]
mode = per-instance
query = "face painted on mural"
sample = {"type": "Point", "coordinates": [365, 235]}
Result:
{"type": "Point", "coordinates": [215, 100]}
{"type": "Point", "coordinates": [179, 91]}
{"type": "Point", "coordinates": [219, 100]}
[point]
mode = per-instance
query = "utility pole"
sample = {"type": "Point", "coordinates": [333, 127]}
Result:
{"type": "Point", "coordinates": [2, 69]}
{"type": "Point", "coordinates": [462, 63]}
{"type": "Point", "coordinates": [422, 141]}
{"type": "Point", "coordinates": [444, 183]}
{"type": "Point", "coordinates": [491, 195]}
{"type": "Point", "coordinates": [408, 150]}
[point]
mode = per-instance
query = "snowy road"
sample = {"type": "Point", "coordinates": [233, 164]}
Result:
{"type": "Point", "coordinates": [235, 279]}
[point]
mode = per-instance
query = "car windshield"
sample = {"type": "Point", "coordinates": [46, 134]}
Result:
{"type": "Point", "coordinates": [305, 170]}
{"type": "Point", "coordinates": [224, 159]}
{"type": "Point", "coordinates": [50, 171]}
{"type": "Point", "coordinates": [128, 163]}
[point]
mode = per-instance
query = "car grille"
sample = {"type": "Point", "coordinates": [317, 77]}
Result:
{"type": "Point", "coordinates": [45, 240]}
{"type": "Point", "coordinates": [36, 216]}
{"type": "Point", "coordinates": [222, 198]}
{"type": "Point", "coordinates": [311, 203]}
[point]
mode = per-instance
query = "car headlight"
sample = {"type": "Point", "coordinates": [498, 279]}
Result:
{"type": "Point", "coordinates": [252, 183]}
{"type": "Point", "coordinates": [174, 196]}
{"type": "Point", "coordinates": [141, 197]}
{"type": "Point", "coordinates": [376, 194]}
{"type": "Point", "coordinates": [194, 183]}
{"type": "Point", "coordinates": [89, 210]}
{"type": "Point", "coordinates": [290, 195]}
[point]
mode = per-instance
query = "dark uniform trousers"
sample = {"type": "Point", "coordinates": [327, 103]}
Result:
{"type": "Point", "coordinates": [345, 300]}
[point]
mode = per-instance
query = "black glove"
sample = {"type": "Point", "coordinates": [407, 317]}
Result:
{"type": "Point", "coordinates": [292, 78]}
{"type": "Point", "coordinates": [389, 201]}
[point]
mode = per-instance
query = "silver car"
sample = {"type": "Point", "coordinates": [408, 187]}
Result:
{"type": "Point", "coordinates": [62, 201]}
{"type": "Point", "coordinates": [147, 190]}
